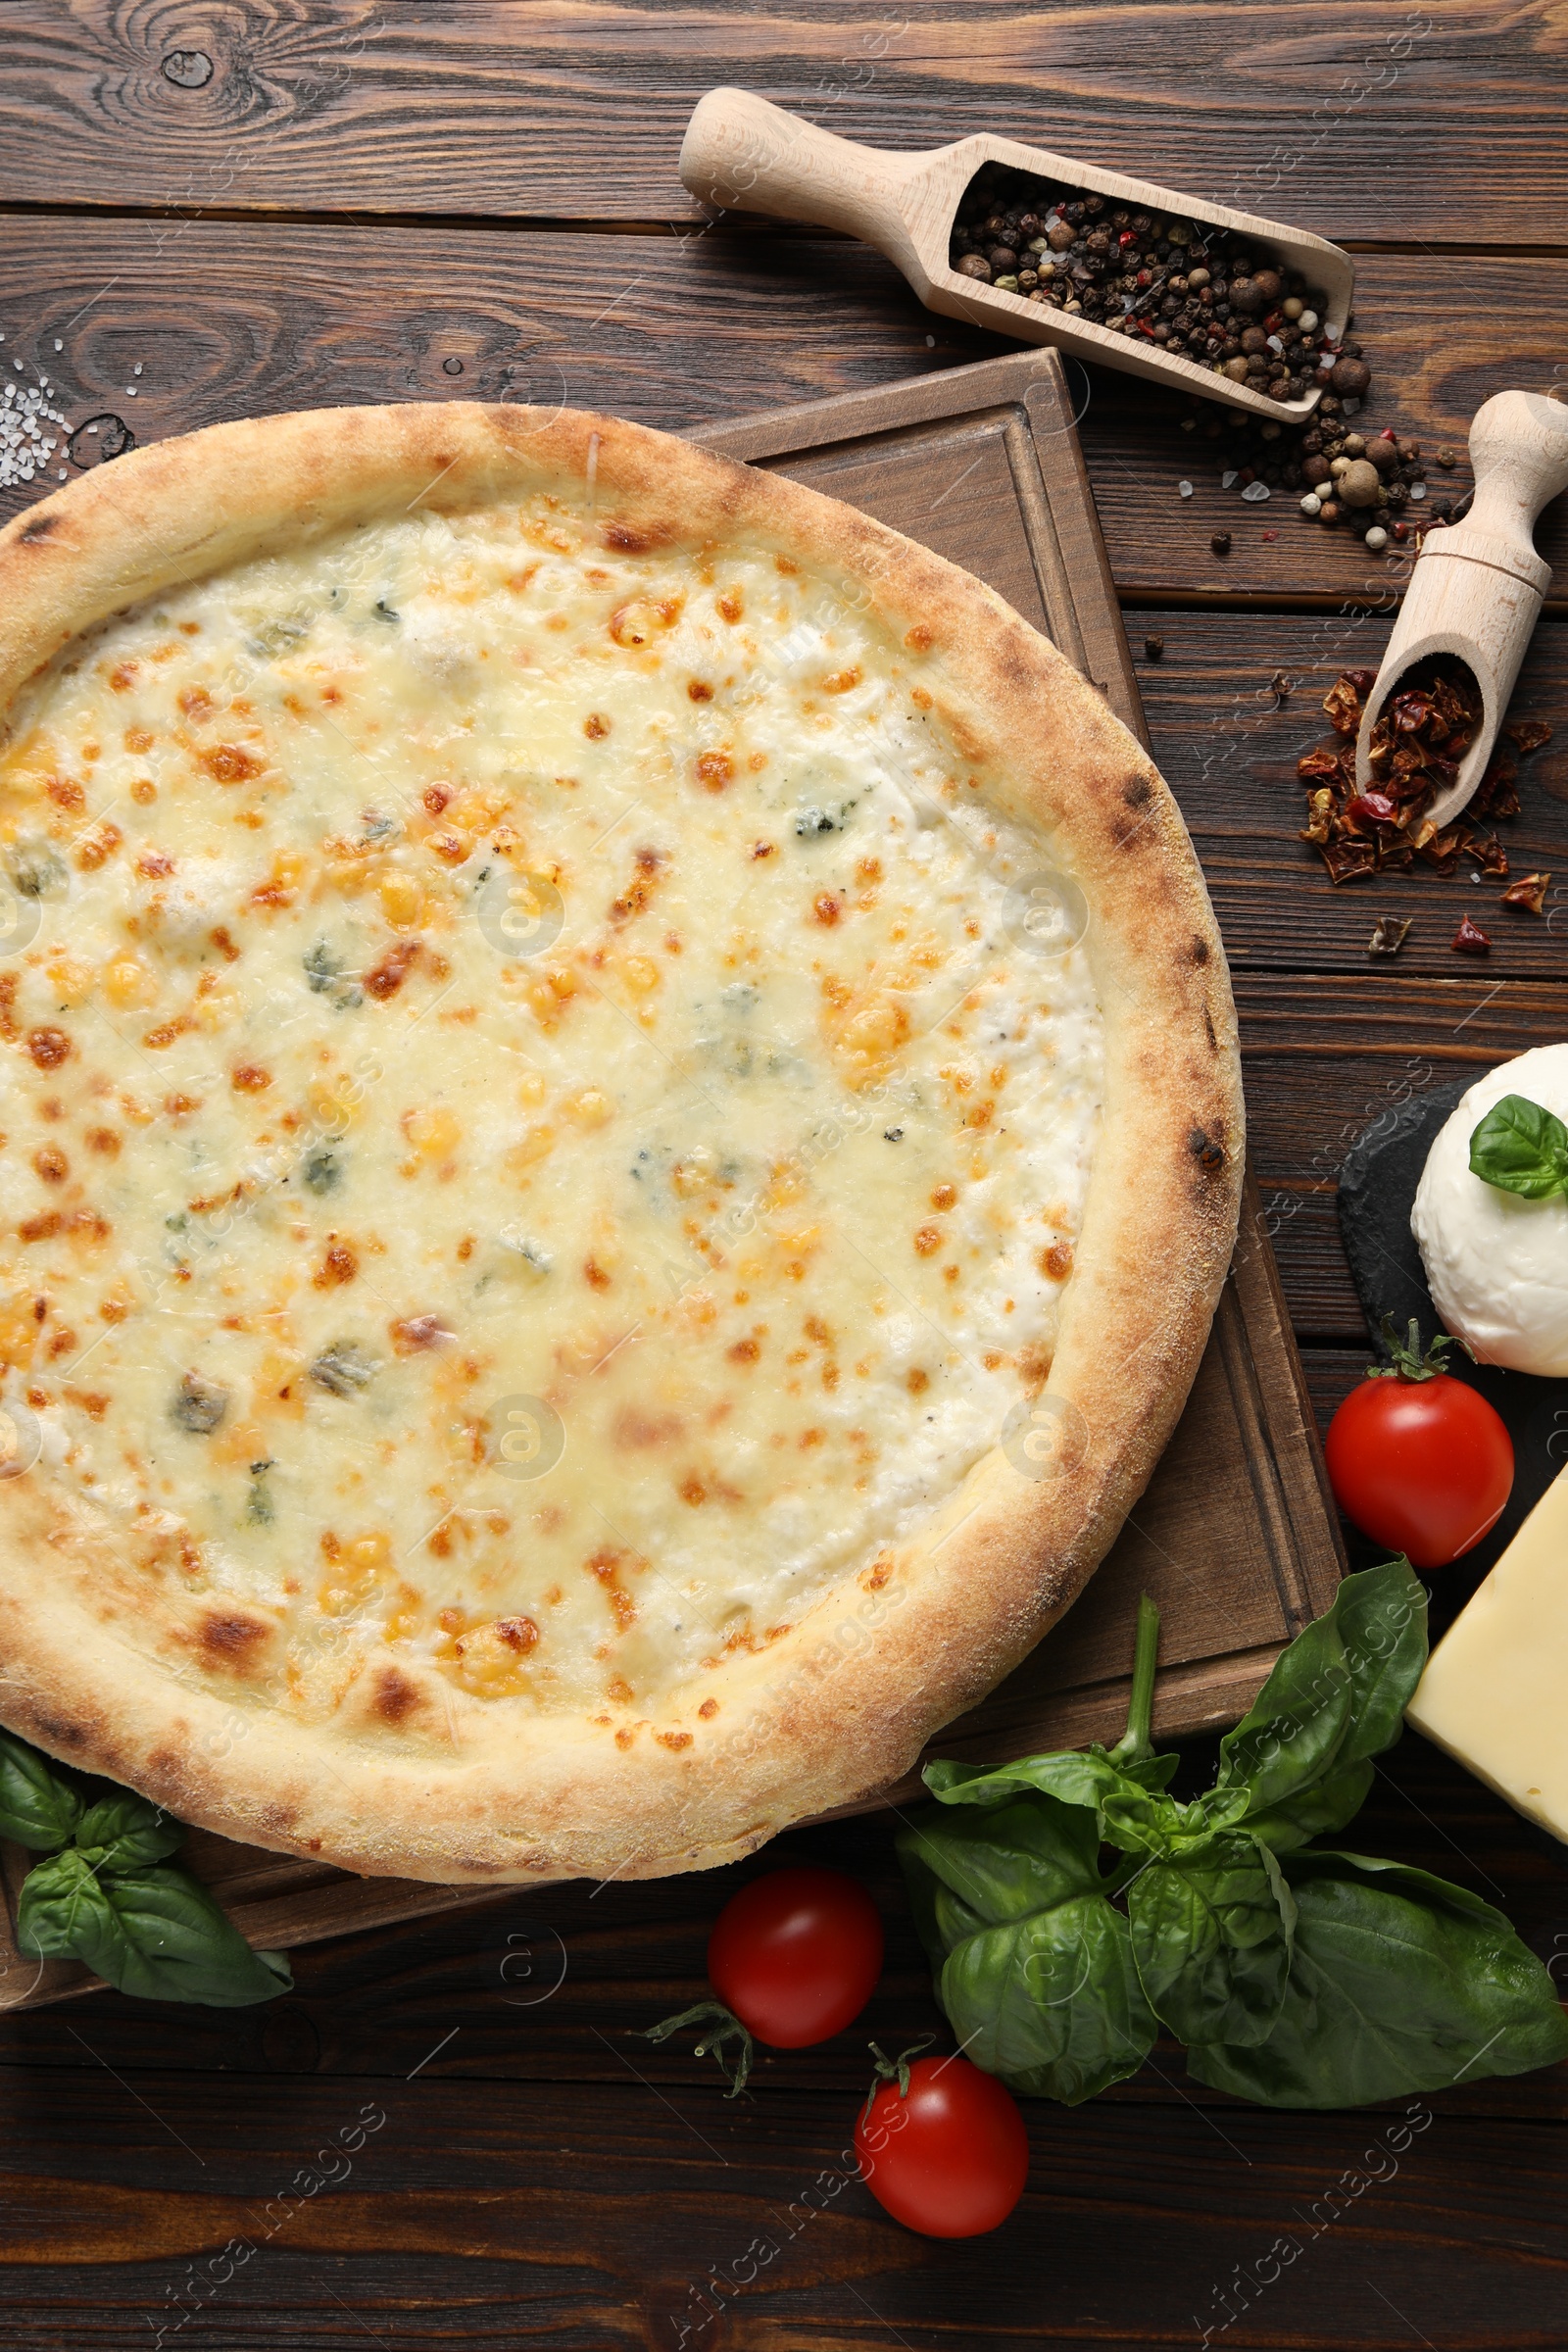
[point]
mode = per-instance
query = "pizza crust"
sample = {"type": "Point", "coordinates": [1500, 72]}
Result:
{"type": "Point", "coordinates": [843, 1703]}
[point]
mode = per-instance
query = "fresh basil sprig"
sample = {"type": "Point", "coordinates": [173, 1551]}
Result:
{"type": "Point", "coordinates": [107, 1895]}
{"type": "Point", "coordinates": [1521, 1147]}
{"type": "Point", "coordinates": [1296, 1976]}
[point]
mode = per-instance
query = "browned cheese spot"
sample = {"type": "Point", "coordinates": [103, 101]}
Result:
{"type": "Point", "coordinates": [388, 976]}
{"type": "Point", "coordinates": [49, 1047]}
{"type": "Point", "coordinates": [338, 1266]}
{"type": "Point", "coordinates": [230, 763]}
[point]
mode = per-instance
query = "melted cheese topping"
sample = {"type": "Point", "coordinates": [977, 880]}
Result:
{"type": "Point", "coordinates": [539, 1133]}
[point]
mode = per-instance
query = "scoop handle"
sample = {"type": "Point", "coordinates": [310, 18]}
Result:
{"type": "Point", "coordinates": [1519, 451]}
{"type": "Point", "coordinates": [741, 152]}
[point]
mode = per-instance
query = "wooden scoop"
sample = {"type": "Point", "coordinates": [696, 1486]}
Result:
{"type": "Point", "coordinates": [744, 154]}
{"type": "Point", "coordinates": [1477, 587]}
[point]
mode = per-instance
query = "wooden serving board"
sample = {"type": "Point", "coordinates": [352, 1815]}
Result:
{"type": "Point", "coordinates": [1236, 1536]}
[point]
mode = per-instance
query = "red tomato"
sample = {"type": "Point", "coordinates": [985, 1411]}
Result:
{"type": "Point", "coordinates": [797, 1955]}
{"type": "Point", "coordinates": [951, 2159]}
{"type": "Point", "coordinates": [1424, 1466]}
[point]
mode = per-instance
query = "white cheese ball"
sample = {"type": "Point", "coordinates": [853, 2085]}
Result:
{"type": "Point", "coordinates": [1498, 1266]}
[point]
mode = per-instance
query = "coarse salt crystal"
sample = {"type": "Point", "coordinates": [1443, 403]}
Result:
{"type": "Point", "coordinates": [1255, 492]}
{"type": "Point", "coordinates": [136, 370]}
{"type": "Point", "coordinates": [1227, 481]}
{"type": "Point", "coordinates": [1418, 489]}
{"type": "Point", "coordinates": [1185, 489]}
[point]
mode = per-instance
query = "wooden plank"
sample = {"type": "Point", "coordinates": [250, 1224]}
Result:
{"type": "Point", "coordinates": [1228, 746]}
{"type": "Point", "coordinates": [1234, 1537]}
{"type": "Point", "coordinates": [592, 2214]}
{"type": "Point", "coordinates": [242, 318]}
{"type": "Point", "coordinates": [1356, 125]}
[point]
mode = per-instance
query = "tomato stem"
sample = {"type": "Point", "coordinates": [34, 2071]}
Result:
{"type": "Point", "coordinates": [1405, 1358]}
{"type": "Point", "coordinates": [893, 2070]}
{"type": "Point", "coordinates": [735, 2070]}
{"type": "Point", "coordinates": [1135, 1742]}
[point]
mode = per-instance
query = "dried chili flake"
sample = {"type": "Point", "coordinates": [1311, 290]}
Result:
{"type": "Point", "coordinates": [1470, 939]}
{"type": "Point", "coordinates": [1529, 891]}
{"type": "Point", "coordinates": [1320, 815]}
{"type": "Point", "coordinates": [1342, 706]}
{"type": "Point", "coordinates": [1496, 794]}
{"type": "Point", "coordinates": [1318, 767]}
{"type": "Point", "coordinates": [1347, 861]}
{"type": "Point", "coordinates": [1369, 808]}
{"type": "Point", "coordinates": [1442, 849]}
{"type": "Point", "coordinates": [1489, 853]}
{"type": "Point", "coordinates": [1360, 681]}
{"type": "Point", "coordinates": [1528, 733]}
{"type": "Point", "coordinates": [1389, 935]}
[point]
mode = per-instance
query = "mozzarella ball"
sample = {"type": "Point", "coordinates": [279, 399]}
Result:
{"type": "Point", "coordinates": [1497, 1265]}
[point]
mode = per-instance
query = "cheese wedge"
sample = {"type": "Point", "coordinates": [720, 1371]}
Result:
{"type": "Point", "coordinates": [1493, 1692]}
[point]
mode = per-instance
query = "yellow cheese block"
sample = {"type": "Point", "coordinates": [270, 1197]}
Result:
{"type": "Point", "coordinates": [1493, 1692]}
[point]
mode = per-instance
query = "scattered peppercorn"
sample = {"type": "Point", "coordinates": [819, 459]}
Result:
{"type": "Point", "coordinates": [1221, 543]}
{"type": "Point", "coordinates": [1154, 647]}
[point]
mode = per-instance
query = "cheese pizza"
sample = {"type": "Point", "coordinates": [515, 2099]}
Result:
{"type": "Point", "coordinates": [621, 1131]}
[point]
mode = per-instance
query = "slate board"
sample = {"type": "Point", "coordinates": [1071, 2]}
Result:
{"type": "Point", "coordinates": [1377, 1192]}
{"type": "Point", "coordinates": [1236, 1536]}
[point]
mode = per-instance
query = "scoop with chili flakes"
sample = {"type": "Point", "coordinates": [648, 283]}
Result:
{"type": "Point", "coordinates": [1417, 745]}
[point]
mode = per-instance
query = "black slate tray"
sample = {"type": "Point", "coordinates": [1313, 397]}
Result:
{"type": "Point", "coordinates": [1376, 1191]}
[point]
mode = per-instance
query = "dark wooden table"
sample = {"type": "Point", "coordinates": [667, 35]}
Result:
{"type": "Point", "coordinates": [236, 206]}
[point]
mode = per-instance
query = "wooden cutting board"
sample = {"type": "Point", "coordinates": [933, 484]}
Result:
{"type": "Point", "coordinates": [1236, 1536]}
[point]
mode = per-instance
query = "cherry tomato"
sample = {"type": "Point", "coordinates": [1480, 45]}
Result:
{"type": "Point", "coordinates": [797, 1955]}
{"type": "Point", "coordinates": [950, 2159]}
{"type": "Point", "coordinates": [1422, 1464]}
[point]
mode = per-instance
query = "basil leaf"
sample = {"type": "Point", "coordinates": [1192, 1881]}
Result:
{"type": "Point", "coordinates": [1315, 1812]}
{"type": "Point", "coordinates": [1337, 1694]}
{"type": "Point", "coordinates": [1400, 1982]}
{"type": "Point", "coordinates": [1052, 2003]}
{"type": "Point", "coordinates": [1521, 1147]}
{"type": "Point", "coordinates": [1006, 1863]}
{"type": "Point", "coordinates": [1211, 1935]}
{"type": "Point", "coordinates": [1074, 1777]}
{"type": "Point", "coordinates": [124, 1832]}
{"type": "Point", "coordinates": [155, 1933]}
{"type": "Point", "coordinates": [38, 1807]}
{"type": "Point", "coordinates": [1381, 1620]}
{"type": "Point", "coordinates": [1292, 1734]}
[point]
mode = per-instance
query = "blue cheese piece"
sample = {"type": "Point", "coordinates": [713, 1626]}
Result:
{"type": "Point", "coordinates": [1491, 1693]}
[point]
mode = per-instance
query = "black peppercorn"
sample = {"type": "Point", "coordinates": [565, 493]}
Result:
{"type": "Point", "coordinates": [1221, 543]}
{"type": "Point", "coordinates": [1154, 647]}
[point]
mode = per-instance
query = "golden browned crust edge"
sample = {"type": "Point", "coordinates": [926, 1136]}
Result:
{"type": "Point", "coordinates": [842, 1704]}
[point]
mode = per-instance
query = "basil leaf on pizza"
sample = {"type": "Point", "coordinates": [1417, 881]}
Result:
{"type": "Point", "coordinates": [623, 1129]}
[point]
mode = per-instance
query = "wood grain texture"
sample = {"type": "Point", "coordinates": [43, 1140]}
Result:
{"type": "Point", "coordinates": [1353, 123]}
{"type": "Point", "coordinates": [527, 2189]}
{"type": "Point", "coordinates": [547, 2176]}
{"type": "Point", "coordinates": [243, 318]}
